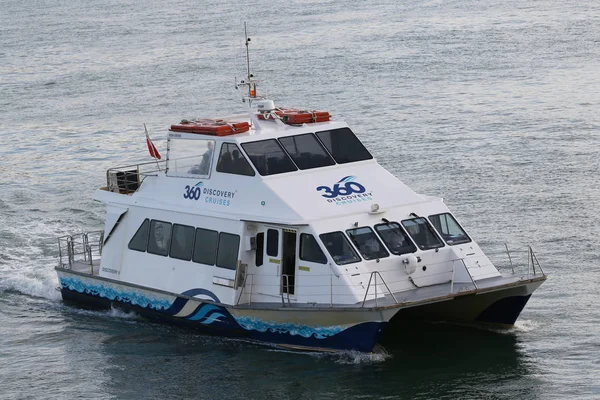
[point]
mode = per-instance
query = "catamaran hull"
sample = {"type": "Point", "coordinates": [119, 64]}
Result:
{"type": "Point", "coordinates": [321, 329]}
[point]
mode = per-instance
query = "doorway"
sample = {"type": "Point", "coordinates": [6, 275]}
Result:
{"type": "Point", "coordinates": [288, 261]}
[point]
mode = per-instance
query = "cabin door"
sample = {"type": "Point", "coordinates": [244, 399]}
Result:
{"type": "Point", "coordinates": [278, 247]}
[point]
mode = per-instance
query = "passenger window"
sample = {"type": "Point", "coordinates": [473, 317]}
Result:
{"type": "Point", "coordinates": [268, 157]}
{"type": "Point", "coordinates": [232, 161]}
{"type": "Point", "coordinates": [182, 242]}
{"type": "Point", "coordinates": [306, 151]}
{"type": "Point", "coordinates": [140, 239]}
{"type": "Point", "coordinates": [190, 157]}
{"type": "Point", "coordinates": [340, 249]}
{"type": "Point", "coordinates": [422, 233]}
{"type": "Point", "coordinates": [272, 242]}
{"type": "Point", "coordinates": [205, 246]}
{"type": "Point", "coordinates": [160, 238]}
{"type": "Point", "coordinates": [229, 246]}
{"type": "Point", "coordinates": [260, 248]}
{"type": "Point", "coordinates": [395, 238]}
{"type": "Point", "coordinates": [344, 146]}
{"type": "Point", "coordinates": [367, 243]}
{"type": "Point", "coordinates": [450, 230]}
{"type": "Point", "coordinates": [310, 249]}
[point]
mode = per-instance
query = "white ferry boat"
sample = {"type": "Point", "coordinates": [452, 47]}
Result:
{"type": "Point", "coordinates": [279, 226]}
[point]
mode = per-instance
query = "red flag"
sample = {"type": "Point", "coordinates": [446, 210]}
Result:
{"type": "Point", "coordinates": [151, 148]}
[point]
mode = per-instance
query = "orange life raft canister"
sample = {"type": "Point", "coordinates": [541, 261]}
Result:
{"type": "Point", "coordinates": [296, 117]}
{"type": "Point", "coordinates": [215, 127]}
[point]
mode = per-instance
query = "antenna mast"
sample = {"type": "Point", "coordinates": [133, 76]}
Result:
{"type": "Point", "coordinates": [251, 83]}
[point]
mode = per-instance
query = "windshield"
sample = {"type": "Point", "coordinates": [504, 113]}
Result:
{"type": "Point", "coordinates": [450, 230]}
{"type": "Point", "coordinates": [306, 151]}
{"type": "Point", "coordinates": [344, 146]}
{"type": "Point", "coordinates": [422, 233]}
{"type": "Point", "coordinates": [367, 243]}
{"type": "Point", "coordinates": [340, 249]}
{"type": "Point", "coordinates": [268, 157]}
{"type": "Point", "coordinates": [395, 238]}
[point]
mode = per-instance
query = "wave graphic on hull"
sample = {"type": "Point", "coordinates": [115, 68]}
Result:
{"type": "Point", "coordinates": [250, 323]}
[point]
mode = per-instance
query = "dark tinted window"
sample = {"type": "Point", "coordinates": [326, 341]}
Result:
{"type": "Point", "coordinates": [340, 249]}
{"type": "Point", "coordinates": [205, 246]}
{"type": "Point", "coordinates": [395, 238]}
{"type": "Point", "coordinates": [306, 151]}
{"type": "Point", "coordinates": [182, 242]}
{"type": "Point", "coordinates": [344, 146]}
{"type": "Point", "coordinates": [232, 161]}
{"type": "Point", "coordinates": [450, 230]}
{"type": "Point", "coordinates": [160, 238]}
{"type": "Point", "coordinates": [227, 255]}
{"type": "Point", "coordinates": [272, 242]}
{"type": "Point", "coordinates": [422, 233]}
{"type": "Point", "coordinates": [367, 243]}
{"type": "Point", "coordinates": [260, 248]}
{"type": "Point", "coordinates": [268, 157]}
{"type": "Point", "coordinates": [310, 249]}
{"type": "Point", "coordinates": [140, 239]}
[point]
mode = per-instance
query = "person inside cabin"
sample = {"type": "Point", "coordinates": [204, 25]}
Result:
{"type": "Point", "coordinates": [204, 166]}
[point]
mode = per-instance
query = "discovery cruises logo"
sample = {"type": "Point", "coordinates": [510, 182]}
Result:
{"type": "Point", "coordinates": [211, 196]}
{"type": "Point", "coordinates": [345, 191]}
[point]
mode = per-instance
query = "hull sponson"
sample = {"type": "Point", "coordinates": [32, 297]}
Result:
{"type": "Point", "coordinates": [498, 307]}
{"type": "Point", "coordinates": [217, 319]}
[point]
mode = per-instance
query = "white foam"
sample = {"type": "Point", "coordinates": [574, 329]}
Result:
{"type": "Point", "coordinates": [524, 325]}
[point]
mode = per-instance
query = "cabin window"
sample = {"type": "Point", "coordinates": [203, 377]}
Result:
{"type": "Point", "coordinates": [310, 249]}
{"type": "Point", "coordinates": [268, 157]}
{"type": "Point", "coordinates": [450, 230]}
{"type": "Point", "coordinates": [232, 161]}
{"type": "Point", "coordinates": [340, 249]}
{"type": "Point", "coordinates": [306, 151]}
{"type": "Point", "coordinates": [395, 238]}
{"type": "Point", "coordinates": [140, 239]}
{"type": "Point", "coordinates": [159, 238]}
{"type": "Point", "coordinates": [422, 233]}
{"type": "Point", "coordinates": [205, 246]}
{"type": "Point", "coordinates": [344, 146]}
{"type": "Point", "coordinates": [229, 246]}
{"type": "Point", "coordinates": [260, 248]}
{"type": "Point", "coordinates": [190, 157]}
{"type": "Point", "coordinates": [182, 242]}
{"type": "Point", "coordinates": [272, 242]}
{"type": "Point", "coordinates": [367, 243]}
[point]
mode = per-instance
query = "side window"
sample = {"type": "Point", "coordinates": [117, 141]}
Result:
{"type": "Point", "coordinates": [310, 249]}
{"type": "Point", "coordinates": [260, 248]}
{"type": "Point", "coordinates": [367, 243]}
{"type": "Point", "coordinates": [450, 230]}
{"type": "Point", "coordinates": [422, 233]}
{"type": "Point", "coordinates": [272, 242]}
{"type": "Point", "coordinates": [268, 157]}
{"type": "Point", "coordinates": [395, 238]}
{"type": "Point", "coordinates": [140, 239]}
{"type": "Point", "coordinates": [205, 246]}
{"type": "Point", "coordinates": [182, 242]}
{"type": "Point", "coordinates": [160, 238]}
{"type": "Point", "coordinates": [232, 161]}
{"type": "Point", "coordinates": [340, 249]}
{"type": "Point", "coordinates": [227, 254]}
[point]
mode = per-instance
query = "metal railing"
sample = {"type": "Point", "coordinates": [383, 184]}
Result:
{"type": "Point", "coordinates": [382, 282]}
{"type": "Point", "coordinates": [127, 179]}
{"type": "Point", "coordinates": [81, 250]}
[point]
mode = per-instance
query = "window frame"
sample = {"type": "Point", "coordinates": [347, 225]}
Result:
{"type": "Point", "coordinates": [242, 155]}
{"type": "Point", "coordinates": [168, 247]}
{"type": "Point", "coordinates": [173, 241]}
{"type": "Point", "coordinates": [405, 234]}
{"type": "Point", "coordinates": [215, 247]}
{"type": "Point", "coordinates": [431, 230]}
{"type": "Point", "coordinates": [269, 243]}
{"type": "Point", "coordinates": [274, 140]}
{"type": "Point", "coordinates": [441, 234]}
{"type": "Point", "coordinates": [147, 220]}
{"type": "Point", "coordinates": [237, 253]}
{"type": "Point", "coordinates": [358, 141]}
{"type": "Point", "coordinates": [316, 141]}
{"type": "Point", "coordinates": [344, 237]}
{"type": "Point", "coordinates": [381, 245]}
{"type": "Point", "coordinates": [300, 254]}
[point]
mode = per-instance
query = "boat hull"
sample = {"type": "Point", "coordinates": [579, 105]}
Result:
{"type": "Point", "coordinates": [309, 328]}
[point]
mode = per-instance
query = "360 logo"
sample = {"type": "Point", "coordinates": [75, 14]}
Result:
{"type": "Point", "coordinates": [346, 186]}
{"type": "Point", "coordinates": [193, 192]}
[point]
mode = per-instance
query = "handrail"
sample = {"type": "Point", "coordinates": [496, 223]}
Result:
{"type": "Point", "coordinates": [374, 274]}
{"type": "Point", "coordinates": [82, 249]}
{"type": "Point", "coordinates": [126, 179]}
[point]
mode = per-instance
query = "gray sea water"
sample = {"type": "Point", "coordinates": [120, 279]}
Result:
{"type": "Point", "coordinates": [493, 105]}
